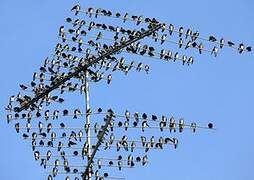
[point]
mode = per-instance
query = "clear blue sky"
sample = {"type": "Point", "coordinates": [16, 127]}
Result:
{"type": "Point", "coordinates": [213, 89]}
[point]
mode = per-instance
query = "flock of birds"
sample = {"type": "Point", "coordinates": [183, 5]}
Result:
{"type": "Point", "coordinates": [55, 142]}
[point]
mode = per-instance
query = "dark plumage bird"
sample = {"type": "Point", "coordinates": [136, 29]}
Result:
{"type": "Point", "coordinates": [210, 125]}
{"type": "Point", "coordinates": [212, 39]}
{"type": "Point", "coordinates": [76, 9]}
{"type": "Point", "coordinates": [71, 143]}
{"type": "Point", "coordinates": [17, 127]}
{"type": "Point", "coordinates": [171, 29]}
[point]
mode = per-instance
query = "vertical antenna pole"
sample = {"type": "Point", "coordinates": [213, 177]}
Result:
{"type": "Point", "coordinates": [88, 115]}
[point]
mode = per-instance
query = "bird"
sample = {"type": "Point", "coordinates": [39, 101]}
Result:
{"type": "Point", "coordinates": [133, 146]}
{"type": "Point", "coordinates": [152, 141]}
{"type": "Point", "coordinates": [40, 126]}
{"type": "Point", "coordinates": [176, 56]}
{"type": "Point", "coordinates": [53, 136]}
{"type": "Point", "coordinates": [65, 112]}
{"type": "Point", "coordinates": [147, 147]}
{"type": "Point", "coordinates": [76, 9]}
{"type": "Point", "coordinates": [144, 125]}
{"type": "Point", "coordinates": [77, 112]}
{"type": "Point", "coordinates": [37, 155]}
{"type": "Point", "coordinates": [125, 17]}
{"type": "Point", "coordinates": [139, 20]}
{"type": "Point", "coordinates": [184, 59]}
{"type": "Point", "coordinates": [190, 61]}
{"type": "Point", "coordinates": [163, 38]}
{"type": "Point", "coordinates": [172, 124]}
{"type": "Point", "coordinates": [97, 12]}
{"type": "Point", "coordinates": [119, 163]}
{"type": "Point", "coordinates": [80, 135]}
{"type": "Point", "coordinates": [109, 78]}
{"type": "Point", "coordinates": [193, 126]}
{"type": "Point", "coordinates": [222, 42]}
{"type": "Point", "coordinates": [180, 31]}
{"type": "Point", "coordinates": [175, 142]}
{"type": "Point", "coordinates": [194, 36]}
{"type": "Point", "coordinates": [48, 155]}
{"type": "Point", "coordinates": [54, 172]}
{"type": "Point", "coordinates": [171, 29]}
{"type": "Point", "coordinates": [241, 48]}
{"type": "Point", "coordinates": [60, 145]}
{"type": "Point", "coordinates": [17, 126]}
{"type": "Point", "coordinates": [249, 48]}
{"type": "Point", "coordinates": [62, 125]}
{"type": "Point", "coordinates": [23, 87]}
{"type": "Point", "coordinates": [143, 140]}
{"type": "Point", "coordinates": [55, 114]}
{"type": "Point", "coordinates": [28, 127]}
{"type": "Point", "coordinates": [144, 160]}
{"type": "Point", "coordinates": [188, 33]}
{"type": "Point", "coordinates": [210, 125]}
{"type": "Point", "coordinates": [61, 31]}
{"type": "Point", "coordinates": [189, 44]}
{"type": "Point", "coordinates": [231, 44]}
{"type": "Point", "coordinates": [212, 39]}
{"type": "Point", "coordinates": [49, 127]}
{"type": "Point", "coordinates": [46, 114]}
{"type": "Point", "coordinates": [200, 48]}
{"type": "Point", "coordinates": [180, 43]}
{"type": "Point", "coordinates": [90, 12]}
{"type": "Point", "coordinates": [71, 143]}
{"type": "Point", "coordinates": [50, 177]}
{"type": "Point", "coordinates": [163, 123]}
{"type": "Point", "coordinates": [181, 125]}
{"type": "Point", "coordinates": [214, 51]}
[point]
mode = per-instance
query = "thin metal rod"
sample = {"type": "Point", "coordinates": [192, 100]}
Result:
{"type": "Point", "coordinates": [88, 116]}
{"type": "Point", "coordinates": [84, 66]}
{"type": "Point", "coordinates": [99, 142]}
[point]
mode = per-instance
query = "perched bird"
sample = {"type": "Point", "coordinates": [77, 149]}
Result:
{"type": "Point", "coordinates": [212, 39]}
{"type": "Point", "coordinates": [76, 9]}
{"type": "Point", "coordinates": [133, 146]}
{"type": "Point", "coordinates": [172, 124]}
{"type": "Point", "coordinates": [48, 155]}
{"type": "Point", "coordinates": [188, 33]}
{"type": "Point", "coordinates": [231, 44]}
{"type": "Point", "coordinates": [210, 125]}
{"type": "Point", "coordinates": [71, 143]}
{"type": "Point", "coordinates": [241, 48]}
{"type": "Point", "coordinates": [175, 142]}
{"type": "Point", "coordinates": [40, 126]}
{"type": "Point", "coordinates": [180, 43]}
{"type": "Point", "coordinates": [144, 125]}
{"type": "Point", "coordinates": [194, 36]}
{"type": "Point", "coordinates": [125, 17]}
{"type": "Point", "coordinates": [222, 42]}
{"type": "Point", "coordinates": [109, 78]}
{"type": "Point", "coordinates": [200, 48]}
{"type": "Point", "coordinates": [171, 29]}
{"type": "Point", "coordinates": [90, 12]}
{"type": "Point", "coordinates": [181, 125]}
{"type": "Point", "coordinates": [163, 38]}
{"type": "Point", "coordinates": [144, 160]}
{"type": "Point", "coordinates": [37, 155]}
{"type": "Point", "coordinates": [215, 51]}
{"type": "Point", "coordinates": [193, 126]}
{"type": "Point", "coordinates": [120, 163]}
{"type": "Point", "coordinates": [180, 31]}
{"type": "Point", "coordinates": [17, 126]}
{"type": "Point", "coordinates": [188, 45]}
